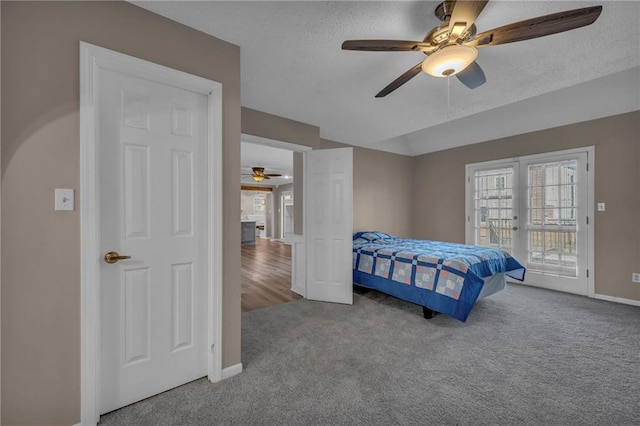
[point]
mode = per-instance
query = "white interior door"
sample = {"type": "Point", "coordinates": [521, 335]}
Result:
{"type": "Point", "coordinates": [153, 207]}
{"type": "Point", "coordinates": [328, 211]}
{"type": "Point", "coordinates": [536, 208]}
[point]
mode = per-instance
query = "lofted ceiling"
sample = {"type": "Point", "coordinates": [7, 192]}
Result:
{"type": "Point", "coordinates": [293, 66]}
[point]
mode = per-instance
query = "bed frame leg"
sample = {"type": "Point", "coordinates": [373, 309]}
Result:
{"type": "Point", "coordinates": [428, 313]}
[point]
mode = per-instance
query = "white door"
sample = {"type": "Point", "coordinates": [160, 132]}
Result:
{"type": "Point", "coordinates": [153, 207]}
{"type": "Point", "coordinates": [328, 209]}
{"type": "Point", "coordinates": [536, 208]}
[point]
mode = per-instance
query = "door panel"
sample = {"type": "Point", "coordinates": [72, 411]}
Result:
{"type": "Point", "coordinates": [555, 247]}
{"type": "Point", "coordinates": [329, 224]}
{"type": "Point", "coordinates": [153, 191]}
{"type": "Point", "coordinates": [136, 327]}
{"type": "Point", "coordinates": [493, 201]}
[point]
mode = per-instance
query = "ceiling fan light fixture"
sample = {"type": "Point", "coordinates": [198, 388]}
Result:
{"type": "Point", "coordinates": [449, 60]}
{"type": "Point", "coordinates": [258, 178]}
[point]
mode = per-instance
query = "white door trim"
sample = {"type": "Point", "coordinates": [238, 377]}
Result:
{"type": "Point", "coordinates": [273, 143]}
{"type": "Point", "coordinates": [591, 159]}
{"type": "Point", "coordinates": [298, 265]}
{"type": "Point", "coordinates": [92, 60]}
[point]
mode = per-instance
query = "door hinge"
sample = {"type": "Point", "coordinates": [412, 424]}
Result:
{"type": "Point", "coordinates": [587, 220]}
{"type": "Point", "coordinates": [587, 166]}
{"type": "Point", "coordinates": [213, 348]}
{"type": "Point", "coordinates": [587, 273]}
{"type": "Point", "coordinates": [468, 218]}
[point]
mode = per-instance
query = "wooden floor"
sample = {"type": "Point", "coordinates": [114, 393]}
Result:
{"type": "Point", "coordinates": [266, 274]}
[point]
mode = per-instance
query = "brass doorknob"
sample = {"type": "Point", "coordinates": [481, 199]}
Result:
{"type": "Point", "coordinates": [113, 257]}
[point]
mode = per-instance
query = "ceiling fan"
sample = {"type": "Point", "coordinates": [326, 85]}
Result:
{"type": "Point", "coordinates": [259, 175]}
{"type": "Point", "coordinates": [451, 47]}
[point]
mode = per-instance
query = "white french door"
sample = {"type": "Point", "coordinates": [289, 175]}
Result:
{"type": "Point", "coordinates": [537, 209]}
{"type": "Point", "coordinates": [494, 206]}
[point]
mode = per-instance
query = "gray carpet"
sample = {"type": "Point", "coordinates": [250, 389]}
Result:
{"type": "Point", "coordinates": [525, 356]}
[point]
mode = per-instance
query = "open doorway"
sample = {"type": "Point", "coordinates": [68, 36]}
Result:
{"type": "Point", "coordinates": [286, 216]}
{"type": "Point", "coordinates": [268, 221]}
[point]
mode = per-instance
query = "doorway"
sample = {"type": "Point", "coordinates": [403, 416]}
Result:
{"type": "Point", "coordinates": [538, 209]}
{"type": "Point", "coordinates": [286, 216]}
{"type": "Point", "coordinates": [266, 262]}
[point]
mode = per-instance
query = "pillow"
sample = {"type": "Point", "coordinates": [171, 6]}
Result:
{"type": "Point", "coordinates": [371, 236]}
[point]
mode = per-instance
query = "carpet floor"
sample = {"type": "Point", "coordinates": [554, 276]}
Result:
{"type": "Point", "coordinates": [524, 356]}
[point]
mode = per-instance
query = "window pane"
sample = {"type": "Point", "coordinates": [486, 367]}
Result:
{"type": "Point", "coordinates": [494, 207]}
{"type": "Point", "coordinates": [552, 206]}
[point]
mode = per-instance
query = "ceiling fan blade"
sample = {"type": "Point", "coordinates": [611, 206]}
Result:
{"type": "Point", "coordinates": [538, 27]}
{"type": "Point", "coordinates": [400, 80]}
{"type": "Point", "coordinates": [272, 174]}
{"type": "Point", "coordinates": [463, 16]}
{"type": "Point", "coordinates": [472, 76]}
{"type": "Point", "coordinates": [385, 45]}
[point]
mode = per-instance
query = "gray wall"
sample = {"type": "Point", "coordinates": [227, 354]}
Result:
{"type": "Point", "coordinates": [382, 192]}
{"type": "Point", "coordinates": [439, 191]}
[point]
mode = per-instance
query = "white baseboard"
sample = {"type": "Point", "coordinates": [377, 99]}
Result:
{"type": "Point", "coordinates": [231, 371]}
{"type": "Point", "coordinates": [617, 299]}
{"type": "Point", "coordinates": [226, 374]}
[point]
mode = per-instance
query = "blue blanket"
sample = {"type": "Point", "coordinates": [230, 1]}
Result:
{"type": "Point", "coordinates": [445, 277]}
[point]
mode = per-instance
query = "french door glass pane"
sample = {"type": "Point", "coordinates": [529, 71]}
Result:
{"type": "Point", "coordinates": [493, 214]}
{"type": "Point", "coordinates": [551, 227]}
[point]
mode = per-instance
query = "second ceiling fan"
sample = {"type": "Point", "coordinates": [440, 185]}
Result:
{"type": "Point", "coordinates": [451, 47]}
{"type": "Point", "coordinates": [258, 174]}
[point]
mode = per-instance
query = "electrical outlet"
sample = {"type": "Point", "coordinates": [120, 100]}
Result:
{"type": "Point", "coordinates": [635, 277]}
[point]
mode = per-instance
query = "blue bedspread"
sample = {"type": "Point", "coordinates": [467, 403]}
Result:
{"type": "Point", "coordinates": [445, 277]}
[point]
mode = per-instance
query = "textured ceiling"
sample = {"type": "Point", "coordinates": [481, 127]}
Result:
{"type": "Point", "coordinates": [292, 66]}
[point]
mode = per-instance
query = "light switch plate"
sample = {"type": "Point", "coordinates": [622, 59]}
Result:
{"type": "Point", "coordinates": [601, 207]}
{"type": "Point", "coordinates": [64, 199]}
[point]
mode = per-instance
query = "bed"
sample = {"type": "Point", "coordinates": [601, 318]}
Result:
{"type": "Point", "coordinates": [442, 277]}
